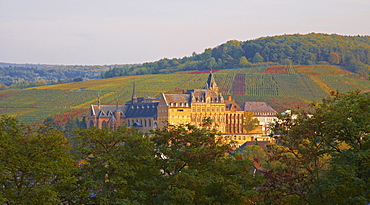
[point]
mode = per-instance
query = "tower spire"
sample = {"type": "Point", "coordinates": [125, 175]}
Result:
{"type": "Point", "coordinates": [211, 83]}
{"type": "Point", "coordinates": [98, 99]}
{"type": "Point", "coordinates": [117, 104]}
{"type": "Point", "coordinates": [134, 98]}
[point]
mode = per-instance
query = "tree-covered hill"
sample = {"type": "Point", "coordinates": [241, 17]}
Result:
{"type": "Point", "coordinates": [31, 75]}
{"type": "Point", "coordinates": [283, 87]}
{"type": "Point", "coordinates": [352, 53]}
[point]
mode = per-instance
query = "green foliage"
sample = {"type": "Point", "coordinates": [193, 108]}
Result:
{"type": "Point", "coordinates": [31, 75]}
{"type": "Point", "coordinates": [196, 169]}
{"type": "Point", "coordinates": [350, 52]}
{"type": "Point", "coordinates": [322, 158]}
{"type": "Point", "coordinates": [115, 166]}
{"type": "Point", "coordinates": [34, 163]}
{"type": "Point", "coordinates": [250, 123]}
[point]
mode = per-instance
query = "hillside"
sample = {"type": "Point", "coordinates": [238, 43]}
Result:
{"type": "Point", "coordinates": [352, 53]}
{"type": "Point", "coordinates": [283, 87]}
{"type": "Point", "coordinates": [32, 75]}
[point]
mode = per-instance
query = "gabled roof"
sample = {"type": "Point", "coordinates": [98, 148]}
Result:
{"type": "Point", "coordinates": [231, 105]}
{"type": "Point", "coordinates": [140, 110]}
{"type": "Point", "coordinates": [112, 119]}
{"type": "Point", "coordinates": [181, 100]}
{"type": "Point", "coordinates": [107, 110]}
{"type": "Point", "coordinates": [257, 107]}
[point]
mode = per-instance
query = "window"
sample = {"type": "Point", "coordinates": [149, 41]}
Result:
{"type": "Point", "coordinates": [104, 124]}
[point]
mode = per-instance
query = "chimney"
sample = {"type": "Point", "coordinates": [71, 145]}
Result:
{"type": "Point", "coordinates": [229, 97]}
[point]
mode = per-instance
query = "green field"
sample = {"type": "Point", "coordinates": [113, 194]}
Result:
{"type": "Point", "coordinates": [281, 87]}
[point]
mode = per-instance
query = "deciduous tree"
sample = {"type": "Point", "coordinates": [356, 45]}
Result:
{"type": "Point", "coordinates": [34, 164]}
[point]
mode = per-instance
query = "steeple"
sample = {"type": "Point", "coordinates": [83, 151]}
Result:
{"type": "Point", "coordinates": [211, 83]}
{"type": "Point", "coordinates": [117, 104]}
{"type": "Point", "coordinates": [134, 98]}
{"type": "Point", "coordinates": [98, 99]}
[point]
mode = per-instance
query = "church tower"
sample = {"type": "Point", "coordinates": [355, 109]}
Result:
{"type": "Point", "coordinates": [211, 83]}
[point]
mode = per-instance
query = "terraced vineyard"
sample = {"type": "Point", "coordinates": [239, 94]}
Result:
{"type": "Point", "coordinates": [280, 86]}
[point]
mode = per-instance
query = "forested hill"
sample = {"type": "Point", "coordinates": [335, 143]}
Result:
{"type": "Point", "coordinates": [30, 75]}
{"type": "Point", "coordinates": [351, 53]}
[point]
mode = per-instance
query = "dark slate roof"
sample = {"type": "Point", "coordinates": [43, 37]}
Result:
{"type": "Point", "coordinates": [143, 100]}
{"type": "Point", "coordinates": [140, 110]}
{"type": "Point", "coordinates": [257, 107]}
{"type": "Point", "coordinates": [107, 110]}
{"type": "Point", "coordinates": [112, 119]}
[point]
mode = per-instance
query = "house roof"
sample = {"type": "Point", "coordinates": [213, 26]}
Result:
{"type": "Point", "coordinates": [107, 110]}
{"type": "Point", "coordinates": [181, 100]}
{"type": "Point", "coordinates": [257, 107]}
{"type": "Point", "coordinates": [231, 105]}
{"type": "Point", "coordinates": [140, 110]}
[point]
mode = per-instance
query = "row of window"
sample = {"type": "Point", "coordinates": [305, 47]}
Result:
{"type": "Point", "coordinates": [208, 109]}
{"type": "Point", "coordinates": [144, 122]}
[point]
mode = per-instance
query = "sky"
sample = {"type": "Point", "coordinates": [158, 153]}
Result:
{"type": "Point", "coordinates": [104, 32]}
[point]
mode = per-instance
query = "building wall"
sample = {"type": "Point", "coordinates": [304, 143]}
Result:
{"type": "Point", "coordinates": [148, 123]}
{"type": "Point", "coordinates": [214, 111]}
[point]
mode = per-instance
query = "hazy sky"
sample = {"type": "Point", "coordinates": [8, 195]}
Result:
{"type": "Point", "coordinates": [137, 31]}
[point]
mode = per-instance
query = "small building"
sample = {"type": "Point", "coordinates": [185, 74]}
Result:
{"type": "Point", "coordinates": [263, 112]}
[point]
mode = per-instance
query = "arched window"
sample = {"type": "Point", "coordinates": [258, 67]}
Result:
{"type": "Point", "coordinates": [150, 122]}
{"type": "Point", "coordinates": [128, 123]}
{"type": "Point", "coordinates": [91, 123]}
{"type": "Point", "coordinates": [144, 122]}
{"type": "Point", "coordinates": [104, 124]}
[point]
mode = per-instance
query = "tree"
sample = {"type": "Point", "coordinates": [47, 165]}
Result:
{"type": "Point", "coordinates": [322, 158]}
{"type": "Point", "coordinates": [115, 167]}
{"type": "Point", "coordinates": [211, 62]}
{"type": "Point", "coordinates": [286, 61]}
{"type": "Point", "coordinates": [49, 122]}
{"type": "Point", "coordinates": [243, 61]}
{"type": "Point", "coordinates": [35, 164]}
{"type": "Point", "coordinates": [344, 130]}
{"type": "Point", "coordinates": [70, 126]}
{"type": "Point", "coordinates": [257, 58]}
{"type": "Point", "coordinates": [250, 122]}
{"type": "Point", "coordinates": [197, 170]}
{"type": "Point", "coordinates": [334, 58]}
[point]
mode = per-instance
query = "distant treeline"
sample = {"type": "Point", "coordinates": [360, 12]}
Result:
{"type": "Point", "coordinates": [352, 53]}
{"type": "Point", "coordinates": [29, 75]}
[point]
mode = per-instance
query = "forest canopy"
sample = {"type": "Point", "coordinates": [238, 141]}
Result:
{"type": "Point", "coordinates": [351, 53]}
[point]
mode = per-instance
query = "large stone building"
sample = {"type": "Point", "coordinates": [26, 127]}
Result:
{"type": "Point", "coordinates": [193, 107]}
{"type": "Point", "coordinates": [138, 112]}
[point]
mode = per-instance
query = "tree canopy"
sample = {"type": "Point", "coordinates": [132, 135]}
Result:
{"type": "Point", "coordinates": [323, 158]}
{"type": "Point", "coordinates": [352, 53]}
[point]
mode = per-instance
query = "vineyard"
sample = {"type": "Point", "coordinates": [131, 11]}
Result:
{"type": "Point", "coordinates": [283, 87]}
